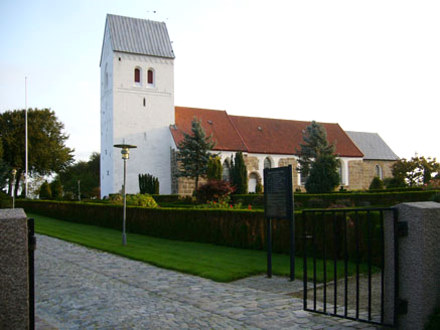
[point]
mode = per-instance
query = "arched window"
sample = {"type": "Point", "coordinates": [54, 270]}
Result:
{"type": "Point", "coordinates": [226, 174]}
{"type": "Point", "coordinates": [379, 173]}
{"type": "Point", "coordinates": [137, 75]}
{"type": "Point", "coordinates": [267, 163]}
{"type": "Point", "coordinates": [150, 77]}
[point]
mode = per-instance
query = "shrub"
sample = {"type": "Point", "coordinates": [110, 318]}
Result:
{"type": "Point", "coordinates": [143, 200]}
{"type": "Point", "coordinates": [45, 191]}
{"type": "Point", "coordinates": [259, 188]}
{"type": "Point", "coordinates": [5, 200]}
{"type": "Point", "coordinates": [436, 197]}
{"type": "Point", "coordinates": [215, 169]}
{"type": "Point", "coordinates": [148, 184]}
{"type": "Point", "coordinates": [376, 184]}
{"type": "Point", "coordinates": [214, 190]}
{"type": "Point", "coordinates": [56, 189]}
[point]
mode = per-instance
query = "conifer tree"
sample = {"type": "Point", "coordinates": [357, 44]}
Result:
{"type": "Point", "coordinates": [239, 174]}
{"type": "Point", "coordinates": [215, 168]}
{"type": "Point", "coordinates": [194, 152]}
{"type": "Point", "coordinates": [317, 160]}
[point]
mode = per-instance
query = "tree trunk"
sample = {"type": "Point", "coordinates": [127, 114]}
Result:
{"type": "Point", "coordinates": [17, 182]}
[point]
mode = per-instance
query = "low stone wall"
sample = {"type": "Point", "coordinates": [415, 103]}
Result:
{"type": "Point", "coordinates": [14, 281]}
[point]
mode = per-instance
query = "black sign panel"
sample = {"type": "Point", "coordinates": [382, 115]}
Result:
{"type": "Point", "coordinates": [278, 196]}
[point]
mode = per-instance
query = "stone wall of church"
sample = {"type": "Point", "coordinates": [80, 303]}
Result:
{"type": "Point", "coordinates": [355, 174]}
{"type": "Point", "coordinates": [369, 170]}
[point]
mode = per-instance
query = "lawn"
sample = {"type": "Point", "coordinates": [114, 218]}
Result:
{"type": "Point", "coordinates": [218, 263]}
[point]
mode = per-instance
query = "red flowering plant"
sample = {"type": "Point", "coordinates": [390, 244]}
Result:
{"type": "Point", "coordinates": [215, 194]}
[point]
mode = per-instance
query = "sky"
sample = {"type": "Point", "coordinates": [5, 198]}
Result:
{"type": "Point", "coordinates": [370, 66]}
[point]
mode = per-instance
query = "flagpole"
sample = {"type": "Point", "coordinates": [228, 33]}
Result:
{"type": "Point", "coordinates": [26, 139]}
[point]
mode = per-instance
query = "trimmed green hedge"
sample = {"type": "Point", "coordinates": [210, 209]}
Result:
{"type": "Point", "coordinates": [303, 201]}
{"type": "Point", "coordinates": [236, 228]}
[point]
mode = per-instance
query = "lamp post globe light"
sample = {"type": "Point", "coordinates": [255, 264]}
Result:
{"type": "Point", "coordinates": [14, 173]}
{"type": "Point", "coordinates": [125, 151]}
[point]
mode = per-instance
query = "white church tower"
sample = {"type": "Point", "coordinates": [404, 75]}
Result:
{"type": "Point", "coordinates": [137, 102]}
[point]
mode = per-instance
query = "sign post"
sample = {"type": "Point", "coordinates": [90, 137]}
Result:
{"type": "Point", "coordinates": [278, 204]}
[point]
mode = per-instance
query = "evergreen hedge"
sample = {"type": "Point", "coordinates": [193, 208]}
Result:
{"type": "Point", "coordinates": [303, 200]}
{"type": "Point", "coordinates": [235, 228]}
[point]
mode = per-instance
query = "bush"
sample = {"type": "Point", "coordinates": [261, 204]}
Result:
{"type": "Point", "coordinates": [436, 197]}
{"type": "Point", "coordinates": [45, 191]}
{"type": "Point", "coordinates": [5, 200]}
{"type": "Point", "coordinates": [214, 190]}
{"type": "Point", "coordinates": [143, 200]}
{"type": "Point", "coordinates": [215, 169]}
{"type": "Point", "coordinates": [376, 183]}
{"type": "Point", "coordinates": [148, 184]}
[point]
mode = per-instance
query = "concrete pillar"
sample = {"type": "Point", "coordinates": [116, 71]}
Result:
{"type": "Point", "coordinates": [14, 282]}
{"type": "Point", "coordinates": [419, 262]}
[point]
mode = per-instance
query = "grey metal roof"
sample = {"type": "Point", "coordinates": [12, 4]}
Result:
{"type": "Point", "coordinates": [139, 36]}
{"type": "Point", "coordinates": [372, 146]}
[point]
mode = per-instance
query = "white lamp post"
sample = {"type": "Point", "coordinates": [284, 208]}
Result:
{"type": "Point", "coordinates": [14, 172]}
{"type": "Point", "coordinates": [125, 151]}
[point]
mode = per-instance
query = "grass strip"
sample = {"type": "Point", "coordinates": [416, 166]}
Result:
{"type": "Point", "coordinates": [218, 263]}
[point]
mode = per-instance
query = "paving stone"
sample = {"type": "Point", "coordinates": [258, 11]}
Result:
{"type": "Point", "coordinates": [77, 287]}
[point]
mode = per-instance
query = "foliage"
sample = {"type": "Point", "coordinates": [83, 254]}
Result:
{"type": "Point", "coordinates": [46, 142]}
{"type": "Point", "coordinates": [394, 182]}
{"type": "Point", "coordinates": [194, 152]}
{"type": "Point", "coordinates": [143, 200]}
{"type": "Point", "coordinates": [416, 171]}
{"type": "Point", "coordinates": [148, 184]}
{"type": "Point", "coordinates": [5, 200]}
{"type": "Point", "coordinates": [215, 191]}
{"type": "Point", "coordinates": [224, 204]}
{"type": "Point", "coordinates": [86, 173]}
{"type": "Point", "coordinates": [56, 189]}
{"type": "Point", "coordinates": [436, 197]}
{"type": "Point", "coordinates": [45, 191]}
{"type": "Point", "coordinates": [324, 177]}
{"type": "Point", "coordinates": [317, 161]}
{"type": "Point", "coordinates": [4, 169]}
{"type": "Point", "coordinates": [259, 189]}
{"type": "Point", "coordinates": [315, 145]}
{"type": "Point", "coordinates": [239, 174]}
{"type": "Point", "coordinates": [215, 169]}
{"type": "Point", "coordinates": [376, 184]}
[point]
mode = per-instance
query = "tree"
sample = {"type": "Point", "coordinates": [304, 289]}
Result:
{"type": "Point", "coordinates": [45, 192]}
{"type": "Point", "coordinates": [46, 142]}
{"type": "Point", "coordinates": [416, 171]}
{"type": "Point", "coordinates": [87, 173]}
{"type": "Point", "coordinates": [239, 174]}
{"type": "Point", "coordinates": [317, 160]}
{"type": "Point", "coordinates": [57, 189]}
{"type": "Point", "coordinates": [148, 184]}
{"type": "Point", "coordinates": [376, 184]}
{"type": "Point", "coordinates": [324, 177]}
{"type": "Point", "coordinates": [315, 145]}
{"type": "Point", "coordinates": [4, 169]}
{"type": "Point", "coordinates": [194, 152]}
{"type": "Point", "coordinates": [215, 169]}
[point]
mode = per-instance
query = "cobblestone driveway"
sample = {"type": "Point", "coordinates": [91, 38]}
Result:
{"type": "Point", "coordinates": [78, 287]}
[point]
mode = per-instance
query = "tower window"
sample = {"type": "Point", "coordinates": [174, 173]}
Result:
{"type": "Point", "coordinates": [150, 77]}
{"type": "Point", "coordinates": [137, 75]}
{"type": "Point", "coordinates": [144, 102]}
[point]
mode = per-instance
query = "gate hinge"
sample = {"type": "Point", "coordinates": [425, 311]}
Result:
{"type": "Point", "coordinates": [402, 229]}
{"type": "Point", "coordinates": [32, 243]}
{"type": "Point", "coordinates": [402, 306]}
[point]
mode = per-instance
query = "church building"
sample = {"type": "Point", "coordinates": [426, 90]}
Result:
{"type": "Point", "coordinates": [137, 108]}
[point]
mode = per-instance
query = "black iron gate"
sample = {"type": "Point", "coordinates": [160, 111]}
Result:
{"type": "Point", "coordinates": [344, 252]}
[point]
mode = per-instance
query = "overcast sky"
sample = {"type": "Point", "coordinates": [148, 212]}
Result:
{"type": "Point", "coordinates": [371, 66]}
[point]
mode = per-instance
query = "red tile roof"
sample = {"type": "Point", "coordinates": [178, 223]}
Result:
{"type": "Point", "coordinates": [257, 135]}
